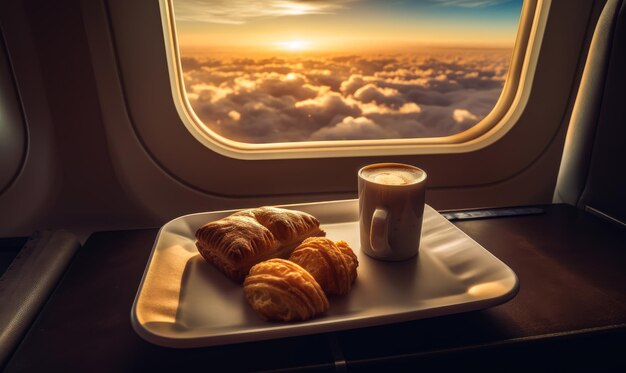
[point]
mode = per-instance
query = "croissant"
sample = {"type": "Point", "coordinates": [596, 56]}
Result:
{"type": "Point", "coordinates": [235, 243]}
{"type": "Point", "coordinates": [332, 264]}
{"type": "Point", "coordinates": [281, 290]}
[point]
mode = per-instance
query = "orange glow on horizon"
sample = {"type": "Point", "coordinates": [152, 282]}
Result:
{"type": "Point", "coordinates": [294, 45]}
{"type": "Point", "coordinates": [322, 43]}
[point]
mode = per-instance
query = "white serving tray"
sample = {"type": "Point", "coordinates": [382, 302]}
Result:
{"type": "Point", "coordinates": [183, 301]}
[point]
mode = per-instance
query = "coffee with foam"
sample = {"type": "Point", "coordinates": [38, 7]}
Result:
{"type": "Point", "coordinates": [393, 175]}
{"type": "Point", "coordinates": [391, 210]}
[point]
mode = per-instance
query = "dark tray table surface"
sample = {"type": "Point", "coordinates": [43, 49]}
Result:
{"type": "Point", "coordinates": [572, 271]}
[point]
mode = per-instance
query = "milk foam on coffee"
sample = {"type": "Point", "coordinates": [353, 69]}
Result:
{"type": "Point", "coordinates": [393, 175]}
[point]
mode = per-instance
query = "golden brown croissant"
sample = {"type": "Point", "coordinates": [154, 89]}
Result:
{"type": "Point", "coordinates": [239, 241]}
{"type": "Point", "coordinates": [332, 264]}
{"type": "Point", "coordinates": [281, 290]}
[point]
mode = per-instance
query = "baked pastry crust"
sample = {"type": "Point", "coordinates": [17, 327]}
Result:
{"type": "Point", "coordinates": [332, 264]}
{"type": "Point", "coordinates": [281, 290]}
{"type": "Point", "coordinates": [235, 243]}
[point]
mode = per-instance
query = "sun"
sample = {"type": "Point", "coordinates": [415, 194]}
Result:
{"type": "Point", "coordinates": [294, 45]}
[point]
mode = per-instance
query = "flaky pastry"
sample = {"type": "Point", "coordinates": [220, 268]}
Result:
{"type": "Point", "coordinates": [281, 290]}
{"type": "Point", "coordinates": [332, 264]}
{"type": "Point", "coordinates": [235, 243]}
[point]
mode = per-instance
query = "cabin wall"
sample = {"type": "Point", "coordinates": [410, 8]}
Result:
{"type": "Point", "coordinates": [83, 72]}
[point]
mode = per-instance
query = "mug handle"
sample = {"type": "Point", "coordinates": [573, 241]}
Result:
{"type": "Point", "coordinates": [379, 232]}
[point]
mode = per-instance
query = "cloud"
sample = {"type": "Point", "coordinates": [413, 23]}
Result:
{"type": "Point", "coordinates": [462, 115]}
{"type": "Point", "coordinates": [353, 83]}
{"type": "Point", "coordinates": [326, 109]}
{"type": "Point", "coordinates": [291, 84]}
{"type": "Point", "coordinates": [373, 108]}
{"type": "Point", "coordinates": [264, 100]}
{"type": "Point", "coordinates": [234, 115]}
{"type": "Point", "coordinates": [237, 12]}
{"type": "Point", "coordinates": [428, 97]}
{"type": "Point", "coordinates": [372, 93]}
{"type": "Point", "coordinates": [352, 129]}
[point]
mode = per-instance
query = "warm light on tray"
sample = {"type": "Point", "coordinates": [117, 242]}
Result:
{"type": "Point", "coordinates": [185, 302]}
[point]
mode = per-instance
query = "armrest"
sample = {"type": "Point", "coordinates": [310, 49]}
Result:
{"type": "Point", "coordinates": [28, 282]}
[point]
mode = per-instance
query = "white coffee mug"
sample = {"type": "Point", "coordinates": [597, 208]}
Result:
{"type": "Point", "coordinates": [391, 210]}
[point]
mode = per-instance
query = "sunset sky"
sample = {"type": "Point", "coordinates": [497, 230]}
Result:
{"type": "Point", "coordinates": [318, 70]}
{"type": "Point", "coordinates": [325, 26]}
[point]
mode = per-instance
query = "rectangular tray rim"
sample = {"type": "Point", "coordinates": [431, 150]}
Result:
{"type": "Point", "coordinates": [283, 331]}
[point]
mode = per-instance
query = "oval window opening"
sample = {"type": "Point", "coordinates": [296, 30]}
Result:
{"type": "Point", "coordinates": [344, 73]}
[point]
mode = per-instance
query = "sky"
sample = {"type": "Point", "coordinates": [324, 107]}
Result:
{"type": "Point", "coordinates": [264, 27]}
{"type": "Point", "coordinates": [272, 71]}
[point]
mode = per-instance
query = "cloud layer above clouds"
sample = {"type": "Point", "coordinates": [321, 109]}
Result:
{"type": "Point", "coordinates": [268, 100]}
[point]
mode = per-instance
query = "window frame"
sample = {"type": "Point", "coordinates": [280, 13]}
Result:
{"type": "Point", "coordinates": [160, 163]}
{"type": "Point", "coordinates": [494, 126]}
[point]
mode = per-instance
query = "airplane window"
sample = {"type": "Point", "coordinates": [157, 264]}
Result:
{"type": "Point", "coordinates": [285, 71]}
